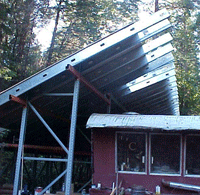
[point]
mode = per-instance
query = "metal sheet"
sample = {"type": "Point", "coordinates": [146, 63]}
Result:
{"type": "Point", "coordinates": [144, 122]}
{"type": "Point", "coordinates": [151, 78]}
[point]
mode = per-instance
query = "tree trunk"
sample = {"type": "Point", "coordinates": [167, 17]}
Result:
{"type": "Point", "coordinates": [50, 52]}
{"type": "Point", "coordinates": [156, 6]}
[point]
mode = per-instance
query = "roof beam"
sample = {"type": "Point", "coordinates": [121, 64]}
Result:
{"type": "Point", "coordinates": [18, 100]}
{"type": "Point", "coordinates": [138, 84]}
{"type": "Point", "coordinates": [87, 84]}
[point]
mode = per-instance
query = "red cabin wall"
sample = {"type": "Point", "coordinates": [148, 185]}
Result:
{"type": "Point", "coordinates": [104, 158]}
{"type": "Point", "coordinates": [104, 168]}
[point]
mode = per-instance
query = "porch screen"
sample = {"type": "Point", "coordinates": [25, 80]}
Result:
{"type": "Point", "coordinates": [192, 155]}
{"type": "Point", "coordinates": [131, 152]}
{"type": "Point", "coordinates": [165, 154]}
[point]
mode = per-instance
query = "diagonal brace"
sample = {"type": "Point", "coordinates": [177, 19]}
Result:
{"type": "Point", "coordinates": [49, 129]}
{"type": "Point", "coordinates": [53, 182]}
{"type": "Point", "coordinates": [87, 83]}
{"type": "Point", "coordinates": [18, 100]}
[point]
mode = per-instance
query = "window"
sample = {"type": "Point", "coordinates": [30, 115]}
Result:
{"type": "Point", "coordinates": [131, 152]}
{"type": "Point", "coordinates": [192, 155]}
{"type": "Point", "coordinates": [165, 154]}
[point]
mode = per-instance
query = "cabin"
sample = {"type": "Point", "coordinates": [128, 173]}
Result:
{"type": "Point", "coordinates": [148, 151]}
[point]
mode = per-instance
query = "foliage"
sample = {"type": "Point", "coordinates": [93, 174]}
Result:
{"type": "Point", "coordinates": [20, 54]}
{"type": "Point", "coordinates": [79, 23]}
{"type": "Point", "coordinates": [84, 22]}
{"type": "Point", "coordinates": [4, 159]}
{"type": "Point", "coordinates": [185, 31]}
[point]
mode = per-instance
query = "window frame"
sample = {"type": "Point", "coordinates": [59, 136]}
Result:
{"type": "Point", "coordinates": [180, 152]}
{"type": "Point", "coordinates": [116, 156]}
{"type": "Point", "coordinates": [185, 155]}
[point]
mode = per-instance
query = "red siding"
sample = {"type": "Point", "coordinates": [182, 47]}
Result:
{"type": "Point", "coordinates": [104, 167]}
{"type": "Point", "coordinates": [104, 158]}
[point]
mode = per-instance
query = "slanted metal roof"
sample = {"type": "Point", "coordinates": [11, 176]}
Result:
{"type": "Point", "coordinates": [134, 65]}
{"type": "Point", "coordinates": [136, 121]}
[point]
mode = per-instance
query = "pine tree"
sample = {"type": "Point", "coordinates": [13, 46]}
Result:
{"type": "Point", "coordinates": [19, 52]}
{"type": "Point", "coordinates": [184, 30]}
{"type": "Point", "coordinates": [87, 21]}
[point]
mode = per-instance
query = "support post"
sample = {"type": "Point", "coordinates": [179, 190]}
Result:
{"type": "Point", "coordinates": [20, 149]}
{"type": "Point", "coordinates": [72, 138]}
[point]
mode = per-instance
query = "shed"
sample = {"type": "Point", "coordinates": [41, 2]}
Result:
{"type": "Point", "coordinates": [129, 70]}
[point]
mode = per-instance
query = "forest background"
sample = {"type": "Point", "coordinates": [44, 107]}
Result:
{"type": "Point", "coordinates": [78, 23]}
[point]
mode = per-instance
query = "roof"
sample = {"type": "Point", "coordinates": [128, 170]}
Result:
{"type": "Point", "coordinates": [134, 65]}
{"type": "Point", "coordinates": [136, 121]}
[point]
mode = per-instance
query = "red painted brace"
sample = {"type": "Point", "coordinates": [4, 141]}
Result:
{"type": "Point", "coordinates": [18, 100]}
{"type": "Point", "coordinates": [87, 84]}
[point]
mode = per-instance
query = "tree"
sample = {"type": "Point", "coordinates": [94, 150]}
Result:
{"type": "Point", "coordinates": [185, 31]}
{"type": "Point", "coordinates": [87, 21]}
{"type": "Point", "coordinates": [5, 32]}
{"type": "Point", "coordinates": [82, 23]}
{"type": "Point", "coordinates": [20, 54]}
{"type": "Point", "coordinates": [57, 18]}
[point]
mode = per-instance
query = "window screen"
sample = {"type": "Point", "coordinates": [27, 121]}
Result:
{"type": "Point", "coordinates": [165, 154]}
{"type": "Point", "coordinates": [131, 152]}
{"type": "Point", "coordinates": [192, 155]}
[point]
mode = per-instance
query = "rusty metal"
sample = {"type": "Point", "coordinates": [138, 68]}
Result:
{"type": "Point", "coordinates": [18, 100]}
{"type": "Point", "coordinates": [87, 83]}
{"type": "Point", "coordinates": [48, 149]}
